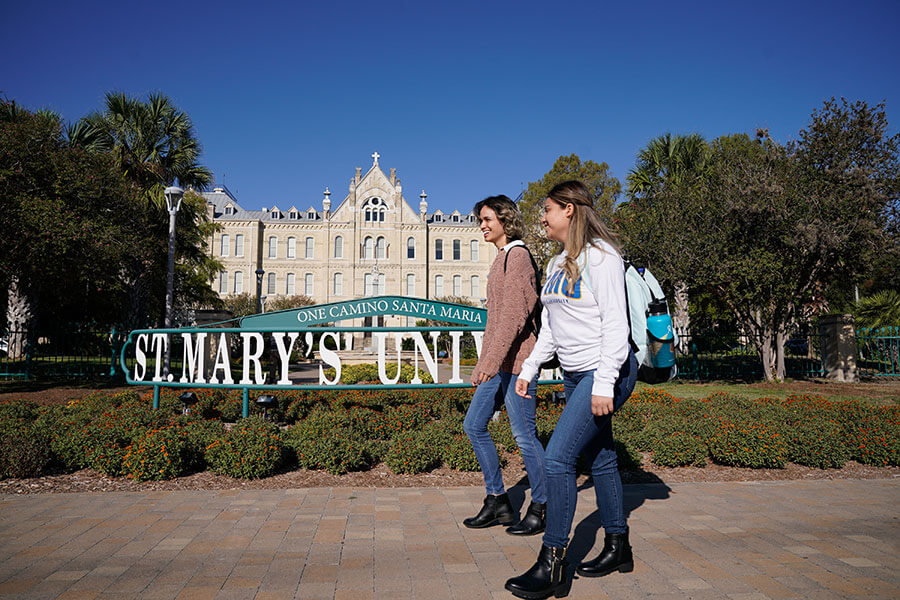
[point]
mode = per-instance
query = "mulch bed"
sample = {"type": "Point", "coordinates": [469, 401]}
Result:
{"type": "Point", "coordinates": [380, 476]}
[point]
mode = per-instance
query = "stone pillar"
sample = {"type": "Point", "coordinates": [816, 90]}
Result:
{"type": "Point", "coordinates": [839, 347]}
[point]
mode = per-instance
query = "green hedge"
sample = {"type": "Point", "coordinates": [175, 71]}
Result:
{"type": "Point", "coordinates": [412, 431]}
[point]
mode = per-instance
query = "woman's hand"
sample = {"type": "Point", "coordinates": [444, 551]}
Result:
{"type": "Point", "coordinates": [522, 388]}
{"type": "Point", "coordinates": [600, 405]}
{"type": "Point", "coordinates": [479, 377]}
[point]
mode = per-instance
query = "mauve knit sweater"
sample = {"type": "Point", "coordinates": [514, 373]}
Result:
{"type": "Point", "coordinates": [509, 335]}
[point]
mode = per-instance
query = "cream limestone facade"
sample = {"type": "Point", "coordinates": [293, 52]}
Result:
{"type": "Point", "coordinates": [372, 244]}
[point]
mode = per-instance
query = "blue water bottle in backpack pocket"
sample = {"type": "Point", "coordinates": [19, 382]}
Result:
{"type": "Point", "coordinates": [660, 335]}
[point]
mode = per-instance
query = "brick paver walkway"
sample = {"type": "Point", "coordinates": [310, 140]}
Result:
{"type": "Point", "coordinates": [742, 541]}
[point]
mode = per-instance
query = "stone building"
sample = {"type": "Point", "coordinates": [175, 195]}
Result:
{"type": "Point", "coordinates": [371, 244]}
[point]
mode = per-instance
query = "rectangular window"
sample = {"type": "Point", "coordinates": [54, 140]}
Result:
{"type": "Point", "coordinates": [273, 247]}
{"type": "Point", "coordinates": [309, 247]}
{"type": "Point", "coordinates": [410, 285]}
{"type": "Point", "coordinates": [438, 286]}
{"type": "Point", "coordinates": [223, 250]}
{"type": "Point", "coordinates": [239, 245]}
{"type": "Point", "coordinates": [223, 282]}
{"type": "Point", "coordinates": [338, 284]}
{"type": "Point", "coordinates": [271, 286]}
{"type": "Point", "coordinates": [438, 249]}
{"type": "Point", "coordinates": [473, 250]}
{"type": "Point", "coordinates": [476, 287]}
{"type": "Point", "coordinates": [457, 250]}
{"type": "Point", "coordinates": [367, 285]}
{"type": "Point", "coordinates": [309, 285]}
{"type": "Point", "coordinates": [238, 282]}
{"type": "Point", "coordinates": [292, 247]}
{"type": "Point", "coordinates": [379, 283]}
{"type": "Point", "coordinates": [457, 285]}
{"type": "Point", "coordinates": [289, 284]}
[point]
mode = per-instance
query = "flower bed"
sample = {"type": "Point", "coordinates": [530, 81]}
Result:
{"type": "Point", "coordinates": [412, 431]}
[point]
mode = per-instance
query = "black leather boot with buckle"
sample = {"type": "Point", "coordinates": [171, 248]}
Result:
{"type": "Point", "coordinates": [547, 577]}
{"type": "Point", "coordinates": [616, 555]}
{"type": "Point", "coordinates": [535, 521]}
{"type": "Point", "coordinates": [496, 509]}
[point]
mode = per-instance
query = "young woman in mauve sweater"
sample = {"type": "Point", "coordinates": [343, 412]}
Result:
{"type": "Point", "coordinates": [509, 337]}
{"type": "Point", "coordinates": [585, 322]}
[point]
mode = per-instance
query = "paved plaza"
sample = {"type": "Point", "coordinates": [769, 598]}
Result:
{"type": "Point", "coordinates": [740, 541]}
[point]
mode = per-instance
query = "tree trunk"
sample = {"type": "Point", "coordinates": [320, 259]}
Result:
{"type": "Point", "coordinates": [138, 303]}
{"type": "Point", "coordinates": [766, 350]}
{"type": "Point", "coordinates": [779, 354]}
{"type": "Point", "coordinates": [681, 316]}
{"type": "Point", "coordinates": [19, 319]}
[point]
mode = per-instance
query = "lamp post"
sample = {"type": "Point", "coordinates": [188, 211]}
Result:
{"type": "Point", "coordinates": [259, 277]}
{"type": "Point", "coordinates": [174, 196]}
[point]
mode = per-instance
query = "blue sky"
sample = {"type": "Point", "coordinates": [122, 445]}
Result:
{"type": "Point", "coordinates": [465, 99]}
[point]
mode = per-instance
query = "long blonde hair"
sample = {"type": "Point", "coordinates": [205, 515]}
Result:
{"type": "Point", "coordinates": [585, 225]}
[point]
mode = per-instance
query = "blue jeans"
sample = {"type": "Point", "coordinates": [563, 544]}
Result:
{"type": "Point", "coordinates": [579, 431]}
{"type": "Point", "coordinates": [521, 421]}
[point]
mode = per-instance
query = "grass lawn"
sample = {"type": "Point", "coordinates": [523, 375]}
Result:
{"type": "Point", "coordinates": [879, 393]}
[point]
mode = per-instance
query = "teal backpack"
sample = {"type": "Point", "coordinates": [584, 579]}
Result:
{"type": "Point", "coordinates": [652, 336]}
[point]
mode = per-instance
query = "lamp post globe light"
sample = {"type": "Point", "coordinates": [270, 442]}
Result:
{"type": "Point", "coordinates": [259, 278]}
{"type": "Point", "coordinates": [174, 196]}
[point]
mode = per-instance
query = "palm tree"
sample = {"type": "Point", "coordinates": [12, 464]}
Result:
{"type": "Point", "coordinates": [155, 145]}
{"type": "Point", "coordinates": [153, 142]}
{"type": "Point", "coordinates": [666, 159]}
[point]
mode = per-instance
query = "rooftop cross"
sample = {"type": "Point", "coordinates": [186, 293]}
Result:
{"type": "Point", "coordinates": [376, 156]}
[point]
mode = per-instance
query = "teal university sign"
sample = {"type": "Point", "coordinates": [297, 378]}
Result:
{"type": "Point", "coordinates": [262, 351]}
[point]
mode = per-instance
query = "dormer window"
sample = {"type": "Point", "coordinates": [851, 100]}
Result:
{"type": "Point", "coordinates": [294, 215]}
{"type": "Point", "coordinates": [276, 214]}
{"type": "Point", "coordinates": [229, 210]}
{"type": "Point", "coordinates": [311, 215]}
{"type": "Point", "coordinates": [455, 218]}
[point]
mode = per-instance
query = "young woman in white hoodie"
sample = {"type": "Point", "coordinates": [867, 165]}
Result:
{"type": "Point", "coordinates": [585, 322]}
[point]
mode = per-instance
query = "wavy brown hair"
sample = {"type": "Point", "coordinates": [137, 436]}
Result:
{"type": "Point", "coordinates": [585, 225]}
{"type": "Point", "coordinates": [507, 213]}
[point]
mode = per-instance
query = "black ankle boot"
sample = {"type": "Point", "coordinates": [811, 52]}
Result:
{"type": "Point", "coordinates": [535, 521]}
{"type": "Point", "coordinates": [496, 509]}
{"type": "Point", "coordinates": [544, 579]}
{"type": "Point", "coordinates": [616, 554]}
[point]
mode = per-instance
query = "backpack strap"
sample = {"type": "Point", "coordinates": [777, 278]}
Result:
{"type": "Point", "coordinates": [536, 313]}
{"type": "Point", "coordinates": [634, 347]}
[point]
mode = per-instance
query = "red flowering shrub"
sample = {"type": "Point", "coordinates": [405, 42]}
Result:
{"type": "Point", "coordinates": [251, 449]}
{"type": "Point", "coordinates": [748, 444]}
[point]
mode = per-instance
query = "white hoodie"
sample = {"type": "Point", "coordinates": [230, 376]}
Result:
{"type": "Point", "coordinates": [589, 328]}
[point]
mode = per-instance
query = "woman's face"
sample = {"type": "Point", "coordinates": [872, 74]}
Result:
{"type": "Point", "coordinates": [555, 219]}
{"type": "Point", "coordinates": [491, 227]}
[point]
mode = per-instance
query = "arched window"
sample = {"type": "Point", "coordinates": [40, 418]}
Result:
{"type": "Point", "coordinates": [410, 285]}
{"type": "Point", "coordinates": [411, 248]}
{"type": "Point", "coordinates": [473, 250]}
{"type": "Point", "coordinates": [438, 286]}
{"type": "Point", "coordinates": [238, 282]}
{"type": "Point", "coordinates": [475, 287]}
{"type": "Point", "coordinates": [292, 247]}
{"type": "Point", "coordinates": [239, 245]}
{"type": "Point", "coordinates": [368, 248]}
{"type": "Point", "coordinates": [223, 282]}
{"type": "Point", "coordinates": [380, 248]}
{"type": "Point", "coordinates": [438, 249]}
{"type": "Point", "coordinates": [457, 285]}
{"type": "Point", "coordinates": [457, 250]}
{"type": "Point", "coordinates": [339, 247]}
{"type": "Point", "coordinates": [289, 285]}
{"type": "Point", "coordinates": [367, 285]}
{"type": "Point", "coordinates": [271, 286]}
{"type": "Point", "coordinates": [374, 210]}
{"type": "Point", "coordinates": [310, 247]}
{"type": "Point", "coordinates": [308, 287]}
{"type": "Point", "coordinates": [273, 247]}
{"type": "Point", "coordinates": [223, 250]}
{"type": "Point", "coordinates": [338, 289]}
